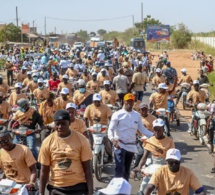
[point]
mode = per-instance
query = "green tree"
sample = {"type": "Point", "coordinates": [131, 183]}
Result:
{"type": "Point", "coordinates": [101, 32]}
{"type": "Point", "coordinates": [147, 21]}
{"type": "Point", "coordinates": [181, 36]}
{"type": "Point", "coordinates": [92, 34]}
{"type": "Point", "coordinates": [83, 35]}
{"type": "Point", "coordinates": [12, 33]}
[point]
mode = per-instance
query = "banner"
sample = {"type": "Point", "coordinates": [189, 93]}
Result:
{"type": "Point", "coordinates": [25, 29]}
{"type": "Point", "coordinates": [158, 33]}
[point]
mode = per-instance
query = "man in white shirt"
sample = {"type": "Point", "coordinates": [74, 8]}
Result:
{"type": "Point", "coordinates": [101, 56]}
{"type": "Point", "coordinates": [64, 64]}
{"type": "Point", "coordinates": [121, 84]}
{"type": "Point", "coordinates": [122, 132]}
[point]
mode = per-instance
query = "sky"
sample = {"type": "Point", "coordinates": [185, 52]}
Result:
{"type": "Point", "coordinates": [197, 15]}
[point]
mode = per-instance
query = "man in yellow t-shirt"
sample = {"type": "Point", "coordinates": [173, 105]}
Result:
{"type": "Point", "coordinates": [65, 84]}
{"type": "Point", "coordinates": [158, 78]}
{"type": "Point", "coordinates": [22, 75]}
{"type": "Point", "coordinates": [4, 88]}
{"type": "Point", "coordinates": [138, 82]}
{"type": "Point", "coordinates": [5, 108]}
{"type": "Point", "coordinates": [41, 93]}
{"type": "Point", "coordinates": [65, 158]}
{"type": "Point", "coordinates": [109, 96]}
{"type": "Point", "coordinates": [27, 80]}
{"type": "Point", "coordinates": [16, 161]}
{"type": "Point", "coordinates": [93, 84]}
{"type": "Point", "coordinates": [103, 76]}
{"type": "Point", "coordinates": [33, 84]}
{"type": "Point", "coordinates": [64, 99]}
{"type": "Point", "coordinates": [157, 146]}
{"type": "Point", "coordinates": [71, 72]}
{"type": "Point", "coordinates": [174, 178]}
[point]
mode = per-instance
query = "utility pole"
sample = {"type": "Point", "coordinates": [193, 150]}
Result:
{"type": "Point", "coordinates": [133, 23]}
{"type": "Point", "coordinates": [55, 30]}
{"type": "Point", "coordinates": [45, 27]}
{"type": "Point", "coordinates": [142, 14]}
{"type": "Point", "coordinates": [17, 20]}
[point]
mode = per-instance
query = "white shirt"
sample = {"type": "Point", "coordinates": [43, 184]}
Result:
{"type": "Point", "coordinates": [101, 57]}
{"type": "Point", "coordinates": [124, 125]}
{"type": "Point", "coordinates": [63, 64]}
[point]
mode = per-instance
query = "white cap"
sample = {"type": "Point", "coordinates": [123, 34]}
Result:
{"type": "Point", "coordinates": [162, 86]}
{"type": "Point", "coordinates": [196, 82]}
{"type": "Point", "coordinates": [158, 70]}
{"type": "Point", "coordinates": [173, 153]}
{"type": "Point", "coordinates": [29, 72]}
{"type": "Point", "coordinates": [81, 82]}
{"type": "Point", "coordinates": [140, 62]}
{"type": "Point", "coordinates": [158, 123]}
{"type": "Point", "coordinates": [97, 97]}
{"type": "Point", "coordinates": [24, 68]}
{"type": "Point", "coordinates": [18, 85]}
{"type": "Point", "coordinates": [65, 76]}
{"type": "Point", "coordinates": [107, 64]}
{"type": "Point", "coordinates": [161, 56]}
{"type": "Point", "coordinates": [183, 70]}
{"type": "Point", "coordinates": [40, 80]}
{"type": "Point", "coordinates": [117, 186]}
{"type": "Point", "coordinates": [209, 55]}
{"type": "Point", "coordinates": [106, 82]}
{"type": "Point", "coordinates": [34, 74]}
{"type": "Point", "coordinates": [103, 70]}
{"type": "Point", "coordinates": [71, 105]}
{"type": "Point", "coordinates": [64, 91]}
{"type": "Point", "coordinates": [100, 51]}
{"type": "Point", "coordinates": [1, 76]}
{"type": "Point", "coordinates": [94, 73]}
{"type": "Point", "coordinates": [71, 65]}
{"type": "Point", "coordinates": [8, 59]}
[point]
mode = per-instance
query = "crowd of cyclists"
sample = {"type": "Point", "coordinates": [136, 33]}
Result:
{"type": "Point", "coordinates": [61, 92]}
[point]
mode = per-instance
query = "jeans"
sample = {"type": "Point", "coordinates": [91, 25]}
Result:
{"type": "Point", "coordinates": [121, 98]}
{"type": "Point", "coordinates": [46, 75]}
{"type": "Point", "coordinates": [31, 143]}
{"type": "Point", "coordinates": [140, 95]}
{"type": "Point", "coordinates": [139, 155]}
{"type": "Point", "coordinates": [10, 77]}
{"type": "Point", "coordinates": [123, 160]}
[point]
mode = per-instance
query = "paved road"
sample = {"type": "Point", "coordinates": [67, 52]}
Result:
{"type": "Point", "coordinates": [194, 156]}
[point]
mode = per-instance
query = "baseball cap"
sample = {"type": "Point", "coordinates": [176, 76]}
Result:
{"type": "Point", "coordinates": [61, 115]}
{"type": "Point", "coordinates": [129, 96]}
{"type": "Point", "coordinates": [158, 70]}
{"type": "Point", "coordinates": [107, 64]}
{"type": "Point", "coordinates": [64, 90]}
{"type": "Point", "coordinates": [173, 153]}
{"type": "Point", "coordinates": [71, 65]}
{"type": "Point", "coordinates": [97, 97]}
{"type": "Point", "coordinates": [22, 102]}
{"type": "Point", "coordinates": [34, 74]}
{"type": "Point", "coordinates": [81, 82]}
{"type": "Point", "coordinates": [18, 85]}
{"type": "Point", "coordinates": [158, 123]}
{"type": "Point", "coordinates": [24, 68]}
{"type": "Point", "coordinates": [65, 76]}
{"type": "Point", "coordinates": [162, 86]}
{"type": "Point", "coordinates": [183, 70]}
{"type": "Point", "coordinates": [40, 80]}
{"type": "Point", "coordinates": [106, 82]}
{"type": "Point", "coordinates": [29, 72]}
{"type": "Point", "coordinates": [168, 63]}
{"type": "Point", "coordinates": [70, 105]}
{"type": "Point", "coordinates": [1, 76]}
{"type": "Point", "coordinates": [143, 105]}
{"type": "Point", "coordinates": [94, 73]}
{"type": "Point", "coordinates": [196, 82]}
{"type": "Point", "coordinates": [102, 70]}
{"type": "Point", "coordinates": [117, 186]}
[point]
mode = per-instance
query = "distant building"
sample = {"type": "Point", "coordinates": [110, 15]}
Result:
{"type": "Point", "coordinates": [33, 30]}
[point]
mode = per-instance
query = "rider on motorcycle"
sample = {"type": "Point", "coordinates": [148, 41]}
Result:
{"type": "Point", "coordinates": [27, 117]}
{"type": "Point", "coordinates": [4, 88]}
{"type": "Point", "coordinates": [64, 99]}
{"type": "Point", "coordinates": [17, 161]}
{"type": "Point", "coordinates": [5, 108]}
{"type": "Point", "coordinates": [158, 78]}
{"type": "Point", "coordinates": [93, 84]}
{"type": "Point", "coordinates": [66, 84]}
{"type": "Point", "coordinates": [156, 147]}
{"type": "Point", "coordinates": [41, 92]}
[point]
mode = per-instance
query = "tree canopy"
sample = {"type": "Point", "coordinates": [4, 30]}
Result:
{"type": "Point", "coordinates": [101, 32]}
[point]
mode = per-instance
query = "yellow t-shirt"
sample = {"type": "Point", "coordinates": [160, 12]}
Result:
{"type": "Point", "coordinates": [136, 105]}
{"type": "Point", "coordinates": [159, 100]}
{"type": "Point", "coordinates": [85, 78]}
{"type": "Point", "coordinates": [78, 97]}
{"type": "Point", "coordinates": [186, 78]}
{"type": "Point", "coordinates": [32, 86]}
{"type": "Point", "coordinates": [174, 183]}
{"type": "Point", "coordinates": [68, 85]}
{"type": "Point", "coordinates": [26, 81]}
{"type": "Point", "coordinates": [5, 108]}
{"type": "Point", "coordinates": [72, 73]}
{"type": "Point", "coordinates": [15, 97]}
{"type": "Point", "coordinates": [21, 77]}
{"type": "Point", "coordinates": [109, 97]}
{"type": "Point", "coordinates": [147, 121]}
{"type": "Point", "coordinates": [170, 86]}
{"type": "Point", "coordinates": [94, 85]}
{"type": "Point", "coordinates": [157, 80]}
{"type": "Point", "coordinates": [139, 79]}
{"type": "Point", "coordinates": [16, 163]}
{"type": "Point", "coordinates": [102, 112]}
{"type": "Point", "coordinates": [4, 88]}
{"type": "Point", "coordinates": [197, 96]}
{"type": "Point", "coordinates": [41, 94]}
{"type": "Point", "coordinates": [101, 79]}
{"type": "Point", "coordinates": [158, 147]}
{"type": "Point", "coordinates": [61, 104]}
{"type": "Point", "coordinates": [65, 157]}
{"type": "Point", "coordinates": [78, 125]}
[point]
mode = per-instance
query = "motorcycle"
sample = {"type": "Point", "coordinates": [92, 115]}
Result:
{"type": "Point", "coordinates": [152, 72]}
{"type": "Point", "coordinates": [162, 113]}
{"type": "Point", "coordinates": [185, 87]}
{"type": "Point", "coordinates": [113, 108]}
{"type": "Point", "coordinates": [99, 154]}
{"type": "Point", "coordinates": [199, 126]}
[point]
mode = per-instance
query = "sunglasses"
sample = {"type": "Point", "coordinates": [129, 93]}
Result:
{"type": "Point", "coordinates": [4, 141]}
{"type": "Point", "coordinates": [173, 162]}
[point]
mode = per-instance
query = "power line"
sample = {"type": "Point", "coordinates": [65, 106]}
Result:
{"type": "Point", "coordinates": [97, 20]}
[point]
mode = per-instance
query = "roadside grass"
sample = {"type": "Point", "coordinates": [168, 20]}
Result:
{"type": "Point", "coordinates": [211, 78]}
{"type": "Point", "coordinates": [2, 63]}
